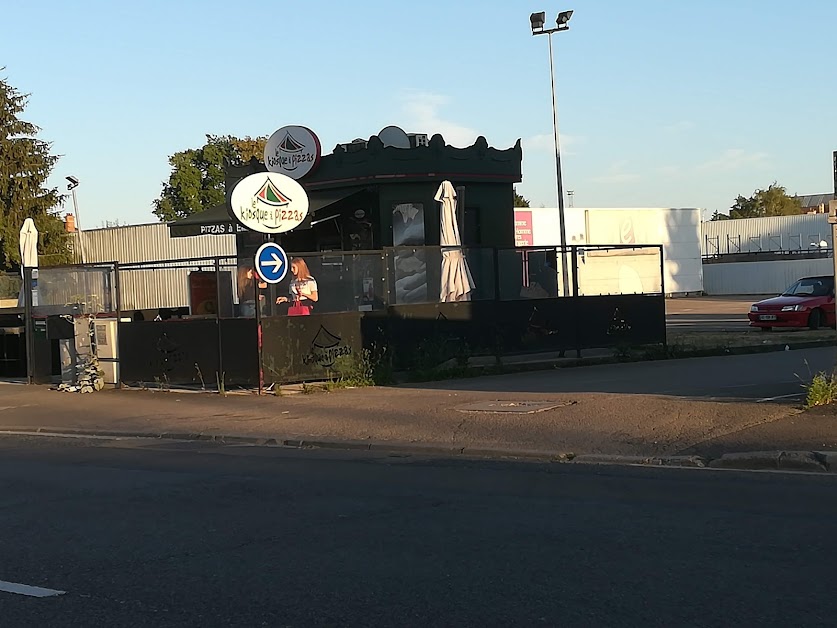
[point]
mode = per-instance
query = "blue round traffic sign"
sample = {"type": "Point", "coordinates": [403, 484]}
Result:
{"type": "Point", "coordinates": [271, 262]}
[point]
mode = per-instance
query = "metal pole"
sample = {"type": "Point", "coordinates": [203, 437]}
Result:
{"type": "Point", "coordinates": [28, 327]}
{"type": "Point", "coordinates": [118, 289]}
{"type": "Point", "coordinates": [78, 228]}
{"type": "Point", "coordinates": [258, 329]}
{"type": "Point", "coordinates": [559, 183]}
{"type": "Point", "coordinates": [220, 374]}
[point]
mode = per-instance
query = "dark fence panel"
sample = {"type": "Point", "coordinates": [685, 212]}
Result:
{"type": "Point", "coordinates": [417, 335]}
{"type": "Point", "coordinates": [185, 352]}
{"type": "Point", "coordinates": [298, 348]}
{"type": "Point", "coordinates": [624, 319]}
{"type": "Point", "coordinates": [240, 351]}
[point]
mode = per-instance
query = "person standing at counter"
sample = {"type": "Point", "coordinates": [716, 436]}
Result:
{"type": "Point", "coordinates": [247, 291]}
{"type": "Point", "coordinates": [303, 287]}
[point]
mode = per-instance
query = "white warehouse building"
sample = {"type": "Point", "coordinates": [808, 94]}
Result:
{"type": "Point", "coordinates": [677, 230]}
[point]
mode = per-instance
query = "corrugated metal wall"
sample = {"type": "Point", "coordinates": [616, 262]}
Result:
{"type": "Point", "coordinates": [774, 233]}
{"type": "Point", "coordinates": [147, 243]}
{"type": "Point", "coordinates": [160, 287]}
{"type": "Point", "coordinates": [760, 277]}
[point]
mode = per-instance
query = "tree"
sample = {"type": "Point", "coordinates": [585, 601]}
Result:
{"type": "Point", "coordinates": [25, 165]}
{"type": "Point", "coordinates": [774, 201]}
{"type": "Point", "coordinates": [716, 215]}
{"type": "Point", "coordinates": [519, 201]}
{"type": "Point", "coordinates": [197, 179]}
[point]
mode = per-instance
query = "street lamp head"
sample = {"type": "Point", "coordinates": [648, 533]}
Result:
{"type": "Point", "coordinates": [537, 20]}
{"type": "Point", "coordinates": [563, 18]}
{"type": "Point", "coordinates": [73, 182]}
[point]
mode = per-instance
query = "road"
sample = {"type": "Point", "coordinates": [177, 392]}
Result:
{"type": "Point", "coordinates": [753, 377]}
{"type": "Point", "coordinates": [139, 533]}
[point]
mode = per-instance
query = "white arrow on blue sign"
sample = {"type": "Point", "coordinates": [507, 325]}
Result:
{"type": "Point", "coordinates": [271, 262]}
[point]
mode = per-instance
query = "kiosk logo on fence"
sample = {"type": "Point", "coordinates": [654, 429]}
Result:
{"type": "Point", "coordinates": [293, 151]}
{"type": "Point", "coordinates": [326, 349]}
{"type": "Point", "coordinates": [269, 203]}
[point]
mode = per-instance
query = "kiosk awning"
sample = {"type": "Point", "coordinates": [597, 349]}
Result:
{"type": "Point", "coordinates": [217, 221]}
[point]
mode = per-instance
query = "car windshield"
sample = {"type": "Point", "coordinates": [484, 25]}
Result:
{"type": "Point", "coordinates": [814, 287]}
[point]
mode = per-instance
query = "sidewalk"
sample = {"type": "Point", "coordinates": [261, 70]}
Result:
{"type": "Point", "coordinates": [399, 417]}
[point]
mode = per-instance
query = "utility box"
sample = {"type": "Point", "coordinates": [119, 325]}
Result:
{"type": "Point", "coordinates": [106, 337]}
{"type": "Point", "coordinates": [100, 336]}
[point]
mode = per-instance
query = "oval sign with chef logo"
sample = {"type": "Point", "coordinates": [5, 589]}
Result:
{"type": "Point", "coordinates": [269, 202]}
{"type": "Point", "coordinates": [293, 151]}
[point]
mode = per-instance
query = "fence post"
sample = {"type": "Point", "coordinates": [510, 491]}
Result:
{"type": "Point", "coordinates": [496, 261]}
{"type": "Point", "coordinates": [389, 273]}
{"type": "Point", "coordinates": [663, 290]}
{"type": "Point", "coordinates": [220, 374]}
{"type": "Point", "coordinates": [574, 296]}
{"type": "Point", "coordinates": [574, 255]}
{"type": "Point", "coordinates": [117, 287]}
{"type": "Point", "coordinates": [29, 331]}
{"type": "Point", "coordinates": [258, 330]}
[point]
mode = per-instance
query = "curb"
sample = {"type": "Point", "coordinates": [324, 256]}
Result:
{"type": "Point", "coordinates": [812, 461]}
{"type": "Point", "coordinates": [804, 461]}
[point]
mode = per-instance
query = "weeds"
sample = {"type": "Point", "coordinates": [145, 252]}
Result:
{"type": "Point", "coordinates": [822, 390]}
{"type": "Point", "coordinates": [200, 376]}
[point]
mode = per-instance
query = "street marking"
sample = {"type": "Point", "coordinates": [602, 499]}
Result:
{"type": "Point", "coordinates": [25, 589]}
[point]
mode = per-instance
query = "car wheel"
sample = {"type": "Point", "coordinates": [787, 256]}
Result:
{"type": "Point", "coordinates": [815, 320]}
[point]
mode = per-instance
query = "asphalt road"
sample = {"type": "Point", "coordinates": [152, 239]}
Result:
{"type": "Point", "coordinates": [755, 377]}
{"type": "Point", "coordinates": [139, 533]}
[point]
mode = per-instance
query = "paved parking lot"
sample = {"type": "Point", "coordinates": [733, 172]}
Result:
{"type": "Point", "coordinates": [709, 313]}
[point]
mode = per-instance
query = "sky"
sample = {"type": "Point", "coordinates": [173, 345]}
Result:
{"type": "Point", "coordinates": [661, 103]}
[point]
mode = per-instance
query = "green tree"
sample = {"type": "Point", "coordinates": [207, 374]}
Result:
{"type": "Point", "coordinates": [716, 215]}
{"type": "Point", "coordinates": [196, 182]}
{"type": "Point", "coordinates": [519, 201]}
{"type": "Point", "coordinates": [774, 201]}
{"type": "Point", "coordinates": [25, 165]}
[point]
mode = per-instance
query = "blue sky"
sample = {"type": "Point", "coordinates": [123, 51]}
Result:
{"type": "Point", "coordinates": [661, 102]}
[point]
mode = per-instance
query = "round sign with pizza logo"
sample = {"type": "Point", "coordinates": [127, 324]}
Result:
{"type": "Point", "coordinates": [269, 202]}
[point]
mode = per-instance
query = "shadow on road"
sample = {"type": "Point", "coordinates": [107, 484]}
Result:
{"type": "Point", "coordinates": [767, 377]}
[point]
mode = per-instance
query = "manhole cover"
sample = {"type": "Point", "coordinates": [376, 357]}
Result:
{"type": "Point", "coordinates": [514, 407]}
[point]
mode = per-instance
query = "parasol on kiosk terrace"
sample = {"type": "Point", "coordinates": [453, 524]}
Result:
{"type": "Point", "coordinates": [29, 258]}
{"type": "Point", "coordinates": [457, 282]}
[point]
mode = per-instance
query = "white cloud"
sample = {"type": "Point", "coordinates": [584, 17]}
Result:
{"type": "Point", "coordinates": [670, 171]}
{"type": "Point", "coordinates": [617, 173]}
{"type": "Point", "coordinates": [679, 127]}
{"type": "Point", "coordinates": [546, 143]}
{"type": "Point", "coordinates": [735, 159]}
{"type": "Point", "coordinates": [421, 110]}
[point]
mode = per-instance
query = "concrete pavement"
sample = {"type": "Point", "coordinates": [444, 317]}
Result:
{"type": "Point", "coordinates": [640, 409]}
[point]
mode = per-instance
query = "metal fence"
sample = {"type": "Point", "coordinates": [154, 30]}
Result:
{"type": "Point", "coordinates": [211, 333]}
{"type": "Point", "coordinates": [347, 281]}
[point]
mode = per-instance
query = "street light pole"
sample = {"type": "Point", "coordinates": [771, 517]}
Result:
{"type": "Point", "coordinates": [72, 185]}
{"type": "Point", "coordinates": [537, 22]}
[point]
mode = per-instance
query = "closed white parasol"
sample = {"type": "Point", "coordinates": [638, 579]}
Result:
{"type": "Point", "coordinates": [29, 244]}
{"type": "Point", "coordinates": [29, 258]}
{"type": "Point", "coordinates": [457, 282]}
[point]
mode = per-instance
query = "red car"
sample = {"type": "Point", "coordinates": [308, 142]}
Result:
{"type": "Point", "coordinates": [807, 303]}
